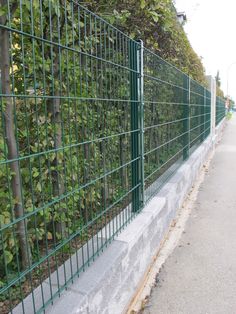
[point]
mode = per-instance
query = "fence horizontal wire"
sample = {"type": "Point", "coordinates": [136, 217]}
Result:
{"type": "Point", "coordinates": [92, 124]}
{"type": "Point", "coordinates": [220, 110]}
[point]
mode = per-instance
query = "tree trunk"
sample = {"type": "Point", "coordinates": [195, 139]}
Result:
{"type": "Point", "coordinates": [104, 187]}
{"type": "Point", "coordinates": [152, 135]}
{"type": "Point", "coordinates": [8, 113]}
{"type": "Point", "coordinates": [57, 181]}
{"type": "Point", "coordinates": [85, 213]}
{"type": "Point", "coordinates": [123, 152]}
{"type": "Point", "coordinates": [103, 152]}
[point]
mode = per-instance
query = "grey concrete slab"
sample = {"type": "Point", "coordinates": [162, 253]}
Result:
{"type": "Point", "coordinates": [92, 291]}
{"type": "Point", "coordinates": [199, 277]}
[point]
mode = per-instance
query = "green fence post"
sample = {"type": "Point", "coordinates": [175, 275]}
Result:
{"type": "Point", "coordinates": [216, 110]}
{"type": "Point", "coordinates": [208, 114]}
{"type": "Point", "coordinates": [186, 138]}
{"type": "Point", "coordinates": [141, 100]}
{"type": "Point", "coordinates": [135, 125]}
{"type": "Point", "coordinates": [204, 115]}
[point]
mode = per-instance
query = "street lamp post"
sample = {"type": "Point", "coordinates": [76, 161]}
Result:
{"type": "Point", "coordinates": [229, 67]}
{"type": "Point", "coordinates": [227, 105]}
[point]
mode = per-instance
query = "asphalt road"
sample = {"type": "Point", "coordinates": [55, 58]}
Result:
{"type": "Point", "coordinates": [199, 277]}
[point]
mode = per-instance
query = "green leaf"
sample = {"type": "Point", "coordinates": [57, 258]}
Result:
{"type": "Point", "coordinates": [142, 4]}
{"type": "Point", "coordinates": [155, 16]}
{"type": "Point", "coordinates": [49, 236]}
{"type": "Point", "coordinates": [38, 187]}
{"type": "Point", "coordinates": [2, 219]}
{"type": "Point", "coordinates": [35, 174]}
{"type": "Point", "coordinates": [3, 10]}
{"type": "Point", "coordinates": [27, 4]}
{"type": "Point", "coordinates": [8, 257]}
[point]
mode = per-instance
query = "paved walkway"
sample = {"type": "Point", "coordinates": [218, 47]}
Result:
{"type": "Point", "coordinates": [200, 275]}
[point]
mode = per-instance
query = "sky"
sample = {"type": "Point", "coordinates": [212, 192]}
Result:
{"type": "Point", "coordinates": [211, 29]}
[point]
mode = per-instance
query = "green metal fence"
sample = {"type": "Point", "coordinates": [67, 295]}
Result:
{"type": "Point", "coordinates": [220, 110]}
{"type": "Point", "coordinates": [92, 125]}
{"type": "Point", "coordinates": [177, 119]}
{"type": "Point", "coordinates": [200, 113]}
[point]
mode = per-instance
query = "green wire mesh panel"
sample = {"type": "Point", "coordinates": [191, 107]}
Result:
{"type": "Point", "coordinates": [197, 114]}
{"type": "Point", "coordinates": [200, 114]}
{"type": "Point", "coordinates": [68, 145]}
{"type": "Point", "coordinates": [165, 117]}
{"type": "Point", "coordinates": [220, 109]}
{"type": "Point", "coordinates": [207, 118]}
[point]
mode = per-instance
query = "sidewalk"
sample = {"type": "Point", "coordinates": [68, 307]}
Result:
{"type": "Point", "coordinates": [199, 277]}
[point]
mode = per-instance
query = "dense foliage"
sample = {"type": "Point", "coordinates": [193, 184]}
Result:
{"type": "Point", "coordinates": [155, 22]}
